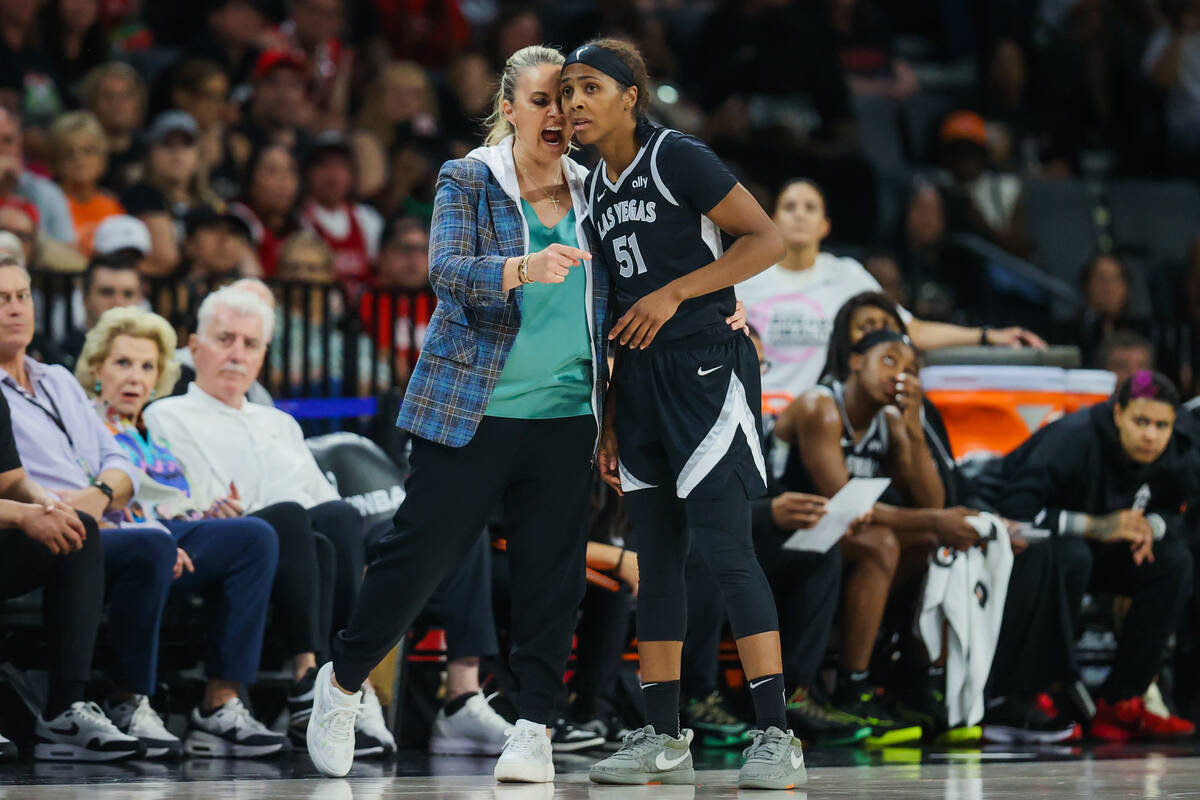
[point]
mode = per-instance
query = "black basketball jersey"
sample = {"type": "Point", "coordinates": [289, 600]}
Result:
{"type": "Point", "coordinates": [865, 458]}
{"type": "Point", "coordinates": [650, 225]}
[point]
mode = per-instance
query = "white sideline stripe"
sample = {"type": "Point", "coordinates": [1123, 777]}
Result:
{"type": "Point", "coordinates": [629, 481]}
{"type": "Point", "coordinates": [735, 414]}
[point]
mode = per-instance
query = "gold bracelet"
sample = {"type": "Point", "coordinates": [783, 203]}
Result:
{"type": "Point", "coordinates": [523, 270]}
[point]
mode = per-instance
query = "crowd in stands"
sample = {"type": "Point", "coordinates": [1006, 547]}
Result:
{"type": "Point", "coordinates": [208, 206]}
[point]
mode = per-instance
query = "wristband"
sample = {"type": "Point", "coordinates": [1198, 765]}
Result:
{"type": "Point", "coordinates": [523, 270]}
{"type": "Point", "coordinates": [983, 340]}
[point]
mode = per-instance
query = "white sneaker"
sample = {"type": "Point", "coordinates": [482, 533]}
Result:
{"type": "Point", "coordinates": [232, 732]}
{"type": "Point", "coordinates": [136, 718]}
{"type": "Point", "coordinates": [527, 756]}
{"type": "Point", "coordinates": [83, 733]}
{"type": "Point", "coordinates": [371, 734]}
{"type": "Point", "coordinates": [475, 729]}
{"type": "Point", "coordinates": [7, 749]}
{"type": "Point", "coordinates": [330, 734]}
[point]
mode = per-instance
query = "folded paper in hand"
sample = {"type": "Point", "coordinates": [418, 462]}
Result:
{"type": "Point", "coordinates": [851, 502]}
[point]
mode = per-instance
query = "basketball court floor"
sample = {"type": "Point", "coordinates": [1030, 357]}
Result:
{"type": "Point", "coordinates": [1096, 773]}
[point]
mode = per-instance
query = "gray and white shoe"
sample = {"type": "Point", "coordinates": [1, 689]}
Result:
{"type": "Point", "coordinates": [648, 757]}
{"type": "Point", "coordinates": [135, 717]}
{"type": "Point", "coordinates": [231, 731]}
{"type": "Point", "coordinates": [774, 761]}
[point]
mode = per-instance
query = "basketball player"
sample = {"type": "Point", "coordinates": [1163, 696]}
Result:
{"type": "Point", "coordinates": [683, 413]}
{"type": "Point", "coordinates": [870, 426]}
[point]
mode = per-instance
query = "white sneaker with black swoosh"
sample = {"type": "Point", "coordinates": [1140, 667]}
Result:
{"type": "Point", "coordinates": [83, 733]}
{"type": "Point", "coordinates": [774, 761]}
{"type": "Point", "coordinates": [648, 757]}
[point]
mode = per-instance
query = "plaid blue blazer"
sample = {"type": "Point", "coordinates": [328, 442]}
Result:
{"type": "Point", "coordinates": [477, 226]}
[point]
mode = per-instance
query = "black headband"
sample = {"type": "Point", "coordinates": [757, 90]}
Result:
{"type": "Point", "coordinates": [881, 336]}
{"type": "Point", "coordinates": [604, 60]}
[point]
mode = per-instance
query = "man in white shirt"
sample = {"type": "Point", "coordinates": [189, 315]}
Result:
{"type": "Point", "coordinates": [221, 438]}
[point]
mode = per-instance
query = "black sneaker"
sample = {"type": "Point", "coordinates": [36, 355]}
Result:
{"type": "Point", "coordinates": [611, 727]}
{"type": "Point", "coordinates": [1013, 720]}
{"type": "Point", "coordinates": [868, 709]}
{"type": "Point", "coordinates": [812, 722]}
{"type": "Point", "coordinates": [7, 749]}
{"type": "Point", "coordinates": [928, 709]}
{"type": "Point", "coordinates": [300, 703]}
{"type": "Point", "coordinates": [567, 738]}
{"type": "Point", "coordinates": [713, 723]}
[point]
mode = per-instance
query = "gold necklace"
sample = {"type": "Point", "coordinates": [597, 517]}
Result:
{"type": "Point", "coordinates": [551, 197]}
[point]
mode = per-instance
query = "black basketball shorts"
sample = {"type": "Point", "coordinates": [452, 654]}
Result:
{"type": "Point", "coordinates": [688, 415]}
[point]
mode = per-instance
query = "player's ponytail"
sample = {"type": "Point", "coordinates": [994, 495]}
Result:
{"type": "Point", "coordinates": [498, 128]}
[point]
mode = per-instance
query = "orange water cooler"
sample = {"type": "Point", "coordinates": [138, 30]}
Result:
{"type": "Point", "coordinates": [991, 409]}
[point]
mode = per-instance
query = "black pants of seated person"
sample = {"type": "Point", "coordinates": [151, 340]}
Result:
{"type": "Point", "coordinates": [1036, 646]}
{"type": "Point", "coordinates": [72, 605]}
{"type": "Point", "coordinates": [540, 470]}
{"type": "Point", "coordinates": [304, 581]}
{"type": "Point", "coordinates": [1158, 591]}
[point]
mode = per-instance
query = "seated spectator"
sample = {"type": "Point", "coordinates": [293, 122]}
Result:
{"type": "Point", "coordinates": [75, 41]}
{"type": "Point", "coordinates": [220, 440]}
{"type": "Point", "coordinates": [66, 448]}
{"type": "Point", "coordinates": [869, 424]}
{"type": "Point", "coordinates": [122, 236]}
{"type": "Point", "coordinates": [864, 43]}
{"type": "Point", "coordinates": [315, 28]}
{"type": "Point", "coordinates": [48, 544]}
{"type": "Point", "coordinates": [1125, 352]}
{"type": "Point", "coordinates": [1106, 283]}
{"type": "Point", "coordinates": [80, 151]}
{"type": "Point", "coordinates": [351, 229]}
{"type": "Point", "coordinates": [400, 306]}
{"type": "Point", "coordinates": [116, 94]}
{"type": "Point", "coordinates": [793, 303]}
{"type": "Point", "coordinates": [215, 249]}
{"type": "Point", "coordinates": [400, 104]}
{"type": "Point", "coordinates": [124, 364]}
{"type": "Point", "coordinates": [979, 200]}
{"type": "Point", "coordinates": [187, 367]}
{"type": "Point", "coordinates": [173, 185]}
{"type": "Point", "coordinates": [227, 31]}
{"type": "Point", "coordinates": [25, 63]}
{"type": "Point", "coordinates": [1110, 483]}
{"type": "Point", "coordinates": [268, 201]}
{"type": "Point", "coordinates": [16, 179]}
{"type": "Point", "coordinates": [110, 281]}
{"type": "Point", "coordinates": [468, 99]}
{"type": "Point", "coordinates": [201, 88]}
{"type": "Point", "coordinates": [278, 109]}
{"type": "Point", "coordinates": [308, 297]}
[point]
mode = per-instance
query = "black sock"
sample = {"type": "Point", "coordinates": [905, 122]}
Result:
{"type": "Point", "coordinates": [770, 709]}
{"type": "Point", "coordinates": [851, 686]}
{"type": "Point", "coordinates": [662, 706]}
{"type": "Point", "coordinates": [60, 697]}
{"type": "Point", "coordinates": [454, 706]}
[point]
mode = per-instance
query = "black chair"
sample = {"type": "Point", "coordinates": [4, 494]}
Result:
{"type": "Point", "coordinates": [1064, 219]}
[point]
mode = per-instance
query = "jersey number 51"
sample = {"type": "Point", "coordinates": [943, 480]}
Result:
{"type": "Point", "coordinates": [623, 247]}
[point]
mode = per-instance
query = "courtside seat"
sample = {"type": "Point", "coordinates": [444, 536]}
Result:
{"type": "Point", "coordinates": [362, 473]}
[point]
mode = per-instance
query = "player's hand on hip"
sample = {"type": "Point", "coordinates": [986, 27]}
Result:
{"type": "Point", "coordinates": [641, 323]}
{"type": "Point", "coordinates": [607, 460]}
{"type": "Point", "coordinates": [553, 264]}
{"type": "Point", "coordinates": [738, 321]}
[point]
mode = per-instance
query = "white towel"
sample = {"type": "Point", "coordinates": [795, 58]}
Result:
{"type": "Point", "coordinates": [967, 591]}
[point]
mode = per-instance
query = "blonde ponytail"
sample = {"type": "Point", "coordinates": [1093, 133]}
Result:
{"type": "Point", "coordinates": [533, 56]}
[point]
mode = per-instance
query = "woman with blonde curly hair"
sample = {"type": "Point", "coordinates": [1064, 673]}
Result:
{"type": "Point", "coordinates": [126, 361]}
